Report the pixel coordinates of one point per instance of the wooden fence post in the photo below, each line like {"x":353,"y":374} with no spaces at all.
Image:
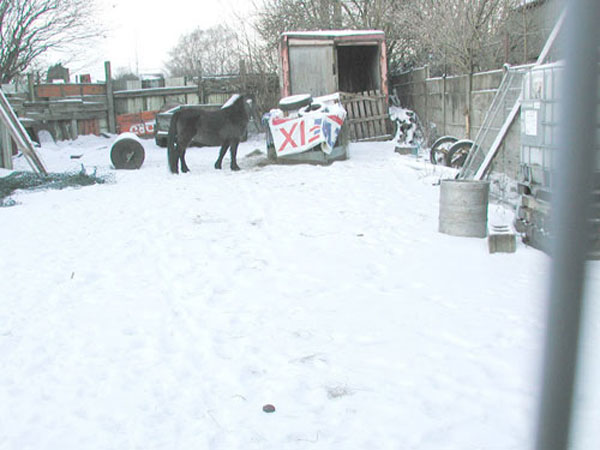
{"x":243,"y":77}
{"x":30,"y":87}
{"x":5,"y":148}
{"x":469,"y":101}
{"x":201,"y":90}
{"x":444,"y":131}
{"x":74,"y":129}
{"x":110,"y":100}
{"x":426,"y":76}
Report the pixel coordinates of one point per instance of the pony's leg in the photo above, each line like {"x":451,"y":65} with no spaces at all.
{"x":222,"y":152}
{"x":184,"y":166}
{"x":233,"y":152}
{"x":173,"y":156}
{"x":182,"y":145}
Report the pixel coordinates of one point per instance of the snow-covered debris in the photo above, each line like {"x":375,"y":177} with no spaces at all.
{"x":409,"y":134}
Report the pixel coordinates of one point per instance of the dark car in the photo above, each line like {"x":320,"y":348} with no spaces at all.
{"x":163,"y":121}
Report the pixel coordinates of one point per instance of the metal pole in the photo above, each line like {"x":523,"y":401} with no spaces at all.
{"x":571,"y":205}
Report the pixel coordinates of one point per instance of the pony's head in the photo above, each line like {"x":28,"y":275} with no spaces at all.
{"x":245,"y":102}
{"x":252,"y":111}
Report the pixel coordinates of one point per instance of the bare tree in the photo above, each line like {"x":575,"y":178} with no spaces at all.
{"x":277,"y":16}
{"x":205,"y":52}
{"x":30,"y":28}
{"x":222,"y":50}
{"x":390,"y":16}
{"x":125,"y":74}
{"x":528,"y":27}
{"x":461,"y":36}
{"x":260,"y":65}
{"x":256,"y":54}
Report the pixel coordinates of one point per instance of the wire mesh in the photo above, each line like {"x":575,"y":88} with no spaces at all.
{"x":27,"y":181}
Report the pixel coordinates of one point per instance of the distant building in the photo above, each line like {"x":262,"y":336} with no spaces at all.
{"x":152,"y":80}
{"x":58,"y":73}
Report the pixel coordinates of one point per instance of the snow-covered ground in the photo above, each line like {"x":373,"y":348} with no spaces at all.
{"x":163,"y":312}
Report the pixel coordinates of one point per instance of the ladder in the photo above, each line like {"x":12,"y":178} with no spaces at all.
{"x":502,"y":113}
{"x":19,"y":135}
{"x":498,"y":119}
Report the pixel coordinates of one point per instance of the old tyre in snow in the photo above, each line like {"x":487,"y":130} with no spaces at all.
{"x":127,"y":152}
{"x":313,"y":107}
{"x":294,"y":102}
{"x":439,"y":149}
{"x":458,"y":153}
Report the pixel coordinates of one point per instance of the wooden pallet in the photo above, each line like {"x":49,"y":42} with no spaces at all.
{"x":368,"y":115}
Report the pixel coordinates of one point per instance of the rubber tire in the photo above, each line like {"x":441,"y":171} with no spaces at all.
{"x":458,"y":153}
{"x":313,"y":107}
{"x":303,"y":100}
{"x":435,"y":148}
{"x":127,"y":155}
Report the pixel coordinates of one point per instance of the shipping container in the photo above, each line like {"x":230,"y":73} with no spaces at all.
{"x":351,"y":62}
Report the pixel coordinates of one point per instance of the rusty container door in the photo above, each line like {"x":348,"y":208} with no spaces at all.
{"x":312,"y":69}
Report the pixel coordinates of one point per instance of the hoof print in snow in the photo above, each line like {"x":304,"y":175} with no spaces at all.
{"x":269,"y":408}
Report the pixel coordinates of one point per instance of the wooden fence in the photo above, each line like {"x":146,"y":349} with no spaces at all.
{"x":368,"y":116}
{"x":68,"y":110}
{"x":456,"y":106}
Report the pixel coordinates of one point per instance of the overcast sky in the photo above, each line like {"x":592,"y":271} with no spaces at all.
{"x":140,"y":33}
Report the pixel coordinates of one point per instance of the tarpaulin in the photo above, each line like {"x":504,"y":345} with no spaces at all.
{"x":314,"y":128}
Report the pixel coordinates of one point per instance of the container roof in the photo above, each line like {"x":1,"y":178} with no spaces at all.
{"x":333,"y":33}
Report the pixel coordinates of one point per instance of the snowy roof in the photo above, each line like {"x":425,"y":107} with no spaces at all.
{"x":333,"y":33}
{"x":151,"y":76}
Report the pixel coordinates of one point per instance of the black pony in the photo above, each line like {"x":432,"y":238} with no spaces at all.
{"x":224,"y":127}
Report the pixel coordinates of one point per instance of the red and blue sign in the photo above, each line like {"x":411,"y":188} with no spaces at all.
{"x":296,"y":135}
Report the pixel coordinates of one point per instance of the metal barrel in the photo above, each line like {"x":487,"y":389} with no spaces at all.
{"x":127,"y":152}
{"x":463,"y":207}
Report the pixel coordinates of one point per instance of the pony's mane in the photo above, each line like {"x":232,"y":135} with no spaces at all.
{"x":234,"y":98}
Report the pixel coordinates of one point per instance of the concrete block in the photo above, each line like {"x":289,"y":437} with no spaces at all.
{"x":406,"y":149}
{"x":502,"y":240}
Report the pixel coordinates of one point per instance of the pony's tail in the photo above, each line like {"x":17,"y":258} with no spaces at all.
{"x":172,"y":151}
